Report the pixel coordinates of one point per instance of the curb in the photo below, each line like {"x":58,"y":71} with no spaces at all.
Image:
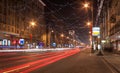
{"x":111,"y":65}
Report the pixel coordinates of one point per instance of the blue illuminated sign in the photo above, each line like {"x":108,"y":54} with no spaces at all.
{"x":21,"y":41}
{"x":54,"y":44}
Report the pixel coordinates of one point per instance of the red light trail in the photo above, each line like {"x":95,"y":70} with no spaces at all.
{"x":45,"y":59}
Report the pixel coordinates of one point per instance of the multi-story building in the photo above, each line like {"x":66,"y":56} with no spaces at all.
{"x":16,"y":19}
{"x":115,"y":24}
{"x":109,"y":20}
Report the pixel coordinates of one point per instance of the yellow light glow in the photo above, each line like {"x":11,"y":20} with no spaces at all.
{"x":67,"y":37}
{"x":62,"y":35}
{"x":32,"y":23}
{"x":52,"y":31}
{"x":88,"y":23}
{"x":86,"y":5}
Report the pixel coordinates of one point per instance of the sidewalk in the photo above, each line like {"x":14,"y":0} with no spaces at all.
{"x":113,"y":60}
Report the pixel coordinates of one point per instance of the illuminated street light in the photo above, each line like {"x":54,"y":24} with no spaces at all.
{"x":67,"y":37}
{"x":86,"y":5}
{"x":52,"y":31}
{"x":62,"y":35}
{"x":32,"y":23}
{"x":88,"y":23}
{"x":90,"y":5}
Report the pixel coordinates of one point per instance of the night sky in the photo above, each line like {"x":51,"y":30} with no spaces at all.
{"x":74,"y":16}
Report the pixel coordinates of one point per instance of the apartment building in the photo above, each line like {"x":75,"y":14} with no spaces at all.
{"x":16,"y":19}
{"x":109,"y":21}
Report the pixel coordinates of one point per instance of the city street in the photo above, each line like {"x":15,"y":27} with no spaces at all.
{"x":67,"y":61}
{"x":27,"y":62}
{"x":59,"y":36}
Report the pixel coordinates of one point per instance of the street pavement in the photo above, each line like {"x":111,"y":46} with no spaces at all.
{"x":25,"y":62}
{"x":65,"y":61}
{"x":113,"y":60}
{"x":83,"y":62}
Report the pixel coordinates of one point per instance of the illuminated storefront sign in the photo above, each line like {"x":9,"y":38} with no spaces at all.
{"x":54,"y":44}
{"x":4,"y":41}
{"x":9,"y":43}
{"x":103,"y":41}
{"x":96,"y":31}
{"x":1,"y":42}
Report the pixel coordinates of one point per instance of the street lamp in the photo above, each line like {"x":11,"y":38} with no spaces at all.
{"x":52,"y":31}
{"x":51,"y":38}
{"x":68,"y":42}
{"x":67,"y":37}
{"x":62,"y":35}
{"x":32,"y":23}
{"x":87,"y":5}
{"x":88,"y":23}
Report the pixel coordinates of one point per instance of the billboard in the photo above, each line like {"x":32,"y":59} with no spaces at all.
{"x":96,"y":31}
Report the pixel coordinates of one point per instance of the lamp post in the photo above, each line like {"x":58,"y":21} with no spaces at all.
{"x":68,"y":41}
{"x":51,"y":38}
{"x":86,"y":5}
{"x":32,"y":24}
{"x":62,"y":35}
{"x":89,"y":24}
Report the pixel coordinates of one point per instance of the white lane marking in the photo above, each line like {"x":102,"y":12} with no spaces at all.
{"x":111,"y":69}
{"x":16,"y":69}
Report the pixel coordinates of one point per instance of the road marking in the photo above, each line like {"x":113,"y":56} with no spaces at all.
{"x":16,"y":69}
{"x":50,"y":60}
{"x":111,"y":69}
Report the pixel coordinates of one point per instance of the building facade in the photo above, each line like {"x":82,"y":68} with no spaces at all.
{"x":109,"y":20}
{"x":114,"y":31}
{"x":16,"y":19}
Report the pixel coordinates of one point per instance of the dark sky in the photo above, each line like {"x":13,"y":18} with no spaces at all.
{"x":72,"y":13}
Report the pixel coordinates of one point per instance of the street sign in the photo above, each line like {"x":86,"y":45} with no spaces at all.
{"x":21,"y":41}
{"x":96,"y":31}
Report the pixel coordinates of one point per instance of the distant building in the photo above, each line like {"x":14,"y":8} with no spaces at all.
{"x":15,"y":21}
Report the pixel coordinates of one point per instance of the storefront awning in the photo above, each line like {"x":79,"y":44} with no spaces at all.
{"x":9,"y":33}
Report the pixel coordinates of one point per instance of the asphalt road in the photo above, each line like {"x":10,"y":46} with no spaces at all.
{"x":70,"y":61}
{"x":25,"y":62}
{"x":82,"y":62}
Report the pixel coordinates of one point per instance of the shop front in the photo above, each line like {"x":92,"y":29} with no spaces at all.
{"x":115,"y":40}
{"x":10,"y":41}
